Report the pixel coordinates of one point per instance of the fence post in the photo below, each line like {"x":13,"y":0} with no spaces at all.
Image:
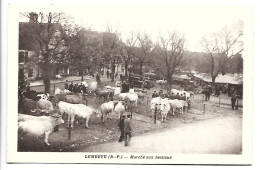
{"x":69,"y":129}
{"x":54,"y":89}
{"x":204,"y":109}
{"x":219,"y":102}
{"x":131,"y":112}
{"x":155,"y":112}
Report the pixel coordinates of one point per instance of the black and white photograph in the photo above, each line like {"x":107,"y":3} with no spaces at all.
{"x":130,"y":83}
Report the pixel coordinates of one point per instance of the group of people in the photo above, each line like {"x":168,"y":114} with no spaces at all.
{"x":125,"y":128}
{"x":169,"y":95}
{"x":109,"y":75}
{"x":207,"y":90}
{"x":76,"y":88}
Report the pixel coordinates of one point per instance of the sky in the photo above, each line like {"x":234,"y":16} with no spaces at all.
{"x":192,"y":21}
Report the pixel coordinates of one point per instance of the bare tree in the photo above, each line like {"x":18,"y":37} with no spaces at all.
{"x":111,"y":47}
{"x":223,"y":46}
{"x":128,"y":48}
{"x":146,"y":46}
{"x":169,"y":55}
{"x":46,"y":30}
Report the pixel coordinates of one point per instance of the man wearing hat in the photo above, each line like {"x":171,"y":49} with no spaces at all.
{"x":154,"y":95}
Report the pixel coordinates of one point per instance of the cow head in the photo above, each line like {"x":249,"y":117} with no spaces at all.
{"x":97,"y":112}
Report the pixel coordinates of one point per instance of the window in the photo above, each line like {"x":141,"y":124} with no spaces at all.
{"x":30,"y":72}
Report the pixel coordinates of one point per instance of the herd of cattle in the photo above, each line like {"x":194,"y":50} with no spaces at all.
{"x":42,"y":112}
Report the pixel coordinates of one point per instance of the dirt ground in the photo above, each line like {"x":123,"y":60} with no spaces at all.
{"x":142,"y":123}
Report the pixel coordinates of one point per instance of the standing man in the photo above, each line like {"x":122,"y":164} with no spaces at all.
{"x":98,"y":78}
{"x":66,"y":85}
{"x":127,"y":129}
{"x":71,"y":87}
{"x":124,"y":88}
{"x":107,"y":74}
{"x":161,"y":93}
{"x":233,"y":100}
{"x":121,"y":127}
{"x":154,"y":95}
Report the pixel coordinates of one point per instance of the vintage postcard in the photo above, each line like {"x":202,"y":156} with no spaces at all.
{"x":130,"y":83}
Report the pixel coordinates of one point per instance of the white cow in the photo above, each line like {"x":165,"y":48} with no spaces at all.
{"x":83,"y":112}
{"x":180,"y":104}
{"x":25,"y":117}
{"x":175,"y":92}
{"x":161,"y":82}
{"x":155,"y":103}
{"x":120,"y":109}
{"x":122,"y":96}
{"x":133,"y":98}
{"x":44,"y":96}
{"x":106,"y":109}
{"x":39,"y":127}
{"x":79,"y":110}
{"x":164,"y":108}
{"x":92,"y":86}
{"x":45,"y":105}
{"x":187,"y":94}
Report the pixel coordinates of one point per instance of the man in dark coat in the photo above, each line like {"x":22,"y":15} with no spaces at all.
{"x":107,"y":74}
{"x":124,"y":87}
{"x":127,"y":129}
{"x":75,"y":88}
{"x":66,"y":85}
{"x":154,"y":95}
{"x":71,"y":87}
{"x":98,"y":78}
{"x":121,"y":127}
{"x":127,"y":87}
{"x":161,"y":93}
{"x":233,"y":100}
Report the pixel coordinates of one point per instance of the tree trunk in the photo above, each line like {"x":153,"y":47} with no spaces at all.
{"x":113,"y":70}
{"x":126,"y":68}
{"x":213,"y":80}
{"x":141,"y":68}
{"x":46,"y":78}
{"x":81,"y":74}
{"x":169,"y":82}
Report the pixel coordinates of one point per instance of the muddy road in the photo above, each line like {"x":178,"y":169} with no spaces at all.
{"x":214,"y":136}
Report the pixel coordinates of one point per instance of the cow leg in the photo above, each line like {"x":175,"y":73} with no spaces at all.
{"x":102,"y":117}
{"x":87,"y":119}
{"x":46,"y":137}
{"x":72,"y":121}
